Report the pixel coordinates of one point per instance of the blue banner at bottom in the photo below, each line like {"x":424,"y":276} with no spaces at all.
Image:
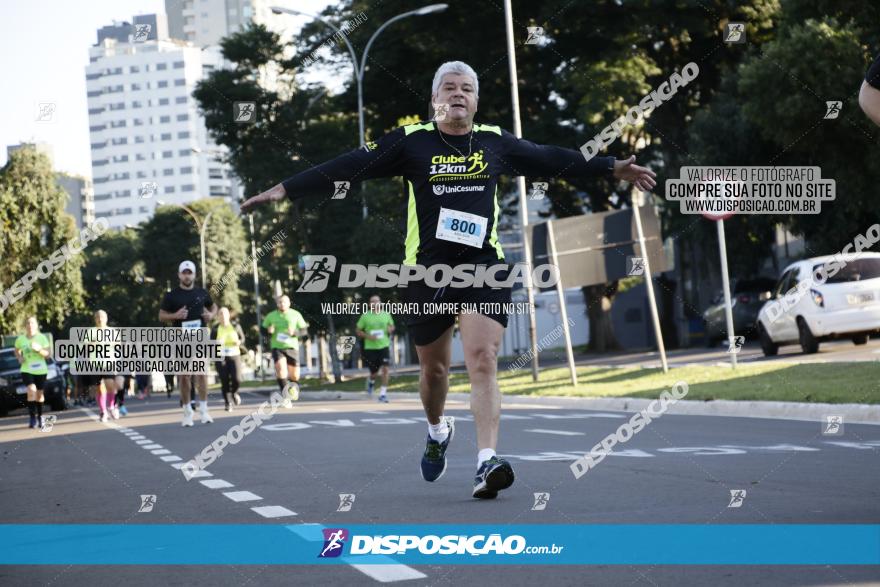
{"x":607,"y":544}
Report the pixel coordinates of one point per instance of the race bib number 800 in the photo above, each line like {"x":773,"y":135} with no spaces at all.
{"x":461,"y":227}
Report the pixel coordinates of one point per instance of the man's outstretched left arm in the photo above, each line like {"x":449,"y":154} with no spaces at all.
{"x":526,"y":158}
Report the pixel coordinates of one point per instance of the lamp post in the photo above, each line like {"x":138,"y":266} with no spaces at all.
{"x":359,"y":69}
{"x":201,"y":225}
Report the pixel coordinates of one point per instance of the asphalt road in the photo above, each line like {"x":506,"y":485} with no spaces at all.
{"x":680,"y":469}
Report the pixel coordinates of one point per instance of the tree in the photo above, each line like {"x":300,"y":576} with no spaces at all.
{"x":171,"y":236}
{"x":33,"y":225}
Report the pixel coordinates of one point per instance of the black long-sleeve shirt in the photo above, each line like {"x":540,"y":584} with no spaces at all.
{"x":451,"y":180}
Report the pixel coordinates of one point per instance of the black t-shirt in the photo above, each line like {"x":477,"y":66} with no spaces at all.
{"x":873,"y":75}
{"x":451,"y":184}
{"x":195,"y":300}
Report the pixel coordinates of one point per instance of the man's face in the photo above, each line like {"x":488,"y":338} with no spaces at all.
{"x":458,"y":91}
{"x":374,"y":303}
{"x":31,"y":326}
{"x":283,"y":303}
{"x":186,"y":277}
{"x":101,"y":319}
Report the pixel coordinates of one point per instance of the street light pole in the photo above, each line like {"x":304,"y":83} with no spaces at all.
{"x":200,"y":225}
{"x":359,"y":70}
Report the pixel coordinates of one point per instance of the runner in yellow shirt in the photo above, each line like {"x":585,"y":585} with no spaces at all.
{"x":31,"y":350}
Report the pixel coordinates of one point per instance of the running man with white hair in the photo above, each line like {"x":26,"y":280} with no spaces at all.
{"x":451,"y":166}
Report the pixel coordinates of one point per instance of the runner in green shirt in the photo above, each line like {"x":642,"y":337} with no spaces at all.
{"x":376,"y":328}
{"x":31,"y":350}
{"x":284,"y":325}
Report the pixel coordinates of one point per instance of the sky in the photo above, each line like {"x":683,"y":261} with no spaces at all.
{"x":45,"y":47}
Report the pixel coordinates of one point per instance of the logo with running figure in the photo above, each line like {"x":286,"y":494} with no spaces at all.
{"x":541,"y":501}
{"x":147,"y":503}
{"x":346,"y":500}
{"x":48,"y":423}
{"x":244,"y":112}
{"x":440,"y":111}
{"x":539,"y":190}
{"x":344,"y":345}
{"x":535,"y":34}
{"x":141,"y":32}
{"x":319,"y":268}
{"x":334,"y":542}
{"x":832,"y":109}
{"x":833,"y":425}
{"x":735,"y":33}
{"x":340,"y":190}
{"x":457,"y":166}
{"x":737,"y":496}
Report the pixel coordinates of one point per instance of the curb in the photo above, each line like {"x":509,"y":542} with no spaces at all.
{"x":851,"y":413}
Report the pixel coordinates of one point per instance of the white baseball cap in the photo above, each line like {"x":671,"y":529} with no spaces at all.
{"x":187,"y":265}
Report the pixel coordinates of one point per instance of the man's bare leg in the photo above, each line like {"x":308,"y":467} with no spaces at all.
{"x":433,"y":386}
{"x":481,"y":339}
{"x":434,"y":361}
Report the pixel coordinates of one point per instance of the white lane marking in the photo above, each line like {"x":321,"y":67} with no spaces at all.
{"x":138,"y":437}
{"x":390,"y":573}
{"x":559,"y":432}
{"x":197,"y":474}
{"x":171,"y":458}
{"x":216,"y":484}
{"x":242,"y":496}
{"x":144,"y":441}
{"x":151,"y":446}
{"x":178,"y":466}
{"x":161,"y":451}
{"x":380,"y":412}
{"x":273,"y":511}
{"x":382,"y":573}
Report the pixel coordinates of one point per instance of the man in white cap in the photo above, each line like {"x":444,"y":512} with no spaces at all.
{"x":189,"y":306}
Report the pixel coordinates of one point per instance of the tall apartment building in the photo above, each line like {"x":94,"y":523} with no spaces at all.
{"x":148,"y":142}
{"x":205,"y":22}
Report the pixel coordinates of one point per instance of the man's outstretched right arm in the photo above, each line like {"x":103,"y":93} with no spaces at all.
{"x":382,"y":158}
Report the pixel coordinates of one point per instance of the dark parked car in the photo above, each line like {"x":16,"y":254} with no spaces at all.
{"x":746,"y":304}
{"x":12,"y":393}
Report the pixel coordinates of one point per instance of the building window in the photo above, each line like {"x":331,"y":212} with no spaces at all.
{"x":137,"y":122}
{"x":169,"y":189}
{"x":119,"y":141}
{"x":167,"y":154}
{"x":97,"y":128}
{"x":188,"y":188}
{"x":163,"y":101}
{"x":179,"y":82}
{"x":165,"y":136}
{"x":136,"y":104}
{"x":134,"y":69}
{"x":182,"y":117}
{"x":135,"y":87}
{"x":103,"y":214}
{"x":100,"y":197}
{"x":94,"y":111}
{"x":167,"y":172}
{"x":94,"y":94}
{"x":140,"y":157}
{"x":185,"y":153}
{"x":141,"y":174}
{"x":184,"y":134}
{"x":186,"y":170}
{"x":164,"y":119}
{"x":180,"y":100}
{"x":178,"y":65}
{"x":162,"y":84}
{"x":161,"y":66}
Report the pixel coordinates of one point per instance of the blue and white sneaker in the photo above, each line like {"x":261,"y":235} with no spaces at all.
{"x":434,"y":459}
{"x":493,"y":475}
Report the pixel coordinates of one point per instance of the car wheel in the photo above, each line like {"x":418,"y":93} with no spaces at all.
{"x":769,"y":347}
{"x":860,"y":339}
{"x":809,"y":344}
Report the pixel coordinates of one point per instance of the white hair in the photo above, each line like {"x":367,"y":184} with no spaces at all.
{"x":455,"y":67}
